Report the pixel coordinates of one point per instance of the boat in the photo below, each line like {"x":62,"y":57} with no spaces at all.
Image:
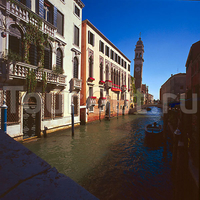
{"x":148,"y":108}
{"x":153,"y":130}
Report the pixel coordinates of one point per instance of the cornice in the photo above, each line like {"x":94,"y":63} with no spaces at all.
{"x":80,"y":3}
{"x":104,"y":37}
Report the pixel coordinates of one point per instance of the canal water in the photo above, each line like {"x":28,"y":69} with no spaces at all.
{"x":112,"y":159}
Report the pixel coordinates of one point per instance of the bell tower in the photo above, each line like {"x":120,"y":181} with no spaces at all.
{"x":138,"y":64}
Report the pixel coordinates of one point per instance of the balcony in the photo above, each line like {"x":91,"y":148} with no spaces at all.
{"x":108,"y":84}
{"x":102,"y":101}
{"x":24,"y":13}
{"x":92,"y":101}
{"x":75,"y":84}
{"x":124,"y":88}
{"x":20,"y":71}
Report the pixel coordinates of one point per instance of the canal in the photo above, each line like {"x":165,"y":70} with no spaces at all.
{"x":112,"y":159}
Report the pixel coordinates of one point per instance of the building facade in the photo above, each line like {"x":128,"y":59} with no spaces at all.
{"x":105,"y":76}
{"x":40,"y":49}
{"x":193,"y":88}
{"x":176,"y":85}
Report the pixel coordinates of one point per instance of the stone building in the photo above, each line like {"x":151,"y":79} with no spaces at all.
{"x":176,"y":85}
{"x":105,"y":74}
{"x":40,"y":54}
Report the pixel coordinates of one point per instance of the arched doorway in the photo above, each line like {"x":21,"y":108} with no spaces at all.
{"x":31,"y":116}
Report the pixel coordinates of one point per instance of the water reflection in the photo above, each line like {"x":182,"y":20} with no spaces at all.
{"x":111,"y":159}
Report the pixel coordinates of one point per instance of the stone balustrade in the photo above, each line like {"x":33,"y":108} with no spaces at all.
{"x":20,"y":70}
{"x":22,"y":12}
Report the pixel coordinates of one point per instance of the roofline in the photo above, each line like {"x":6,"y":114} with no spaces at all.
{"x":80,"y":3}
{"x":188,"y":58}
{"x":172,"y":77}
{"x":104,"y":37}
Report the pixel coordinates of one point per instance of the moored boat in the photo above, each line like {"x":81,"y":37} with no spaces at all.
{"x":153,"y":130}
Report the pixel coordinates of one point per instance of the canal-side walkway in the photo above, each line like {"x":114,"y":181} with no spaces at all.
{"x":25,"y":176}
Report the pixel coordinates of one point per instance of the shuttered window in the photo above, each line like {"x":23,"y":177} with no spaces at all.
{"x":75,"y":74}
{"x":101,"y":71}
{"x":15,"y":40}
{"x":33,"y":55}
{"x":76,"y":35}
{"x":48,"y":57}
{"x":59,"y":58}
{"x":90,"y":38}
{"x":60,"y":22}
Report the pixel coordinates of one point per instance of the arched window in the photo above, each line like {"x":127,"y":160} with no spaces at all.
{"x":107,"y":72}
{"x":91,"y":66}
{"x":112,"y":78}
{"x":48,"y":57}
{"x":59,"y":59}
{"x":75,"y":73}
{"x":33,"y":55}
{"x":101,"y":71}
{"x":15,"y":41}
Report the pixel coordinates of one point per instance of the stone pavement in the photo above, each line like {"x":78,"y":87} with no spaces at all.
{"x":23,"y":175}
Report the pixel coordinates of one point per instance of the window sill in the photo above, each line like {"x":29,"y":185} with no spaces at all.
{"x":77,"y":16}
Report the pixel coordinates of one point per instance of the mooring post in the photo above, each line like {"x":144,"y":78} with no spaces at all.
{"x":99,"y":113}
{"x":4,"y":117}
{"x":72,"y":119}
{"x":117,"y":109}
{"x":109,"y":110}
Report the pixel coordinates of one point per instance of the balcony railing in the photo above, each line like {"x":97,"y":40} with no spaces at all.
{"x":20,"y":70}
{"x":92,"y":101}
{"x":75,"y":84}
{"x":22,"y":12}
{"x":124,"y":88}
{"x":102,"y":101}
{"x":108,"y":84}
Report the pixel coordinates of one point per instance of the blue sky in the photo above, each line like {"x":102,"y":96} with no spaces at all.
{"x":168,"y":29}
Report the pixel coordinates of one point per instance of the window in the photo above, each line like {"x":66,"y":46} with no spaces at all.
{"x":112,"y":54}
{"x":77,"y":11}
{"x":76,"y":35}
{"x":140,"y":55}
{"x":75,"y":74}
{"x":59,"y":59}
{"x":47,"y":57}
{"x":60,"y":22}
{"x":119,"y":59}
{"x":33,"y":55}
{"x":90,"y":38}
{"x":129,"y":68}
{"x":48,"y":11}
{"x":47,"y":105}
{"x":58,"y":103}
{"x":125,"y":64}
{"x":107,"y":51}
{"x":122,"y":63}
{"x":26,"y":3}
{"x":107,"y":72}
{"x":101,"y":46}
{"x":15,"y":41}
{"x":101,"y":71}
{"x":91,"y":66}
{"x":101,"y":93}
{"x":136,"y":55}
{"x":116,"y":57}
{"x":13,"y":111}
{"x":112,"y":77}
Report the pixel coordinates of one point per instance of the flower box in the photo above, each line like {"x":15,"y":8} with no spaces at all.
{"x":90,"y":79}
{"x":92,"y":97}
{"x":115,"y":89}
{"x":101,"y":82}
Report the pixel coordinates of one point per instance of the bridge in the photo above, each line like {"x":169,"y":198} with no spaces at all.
{"x":133,"y":110}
